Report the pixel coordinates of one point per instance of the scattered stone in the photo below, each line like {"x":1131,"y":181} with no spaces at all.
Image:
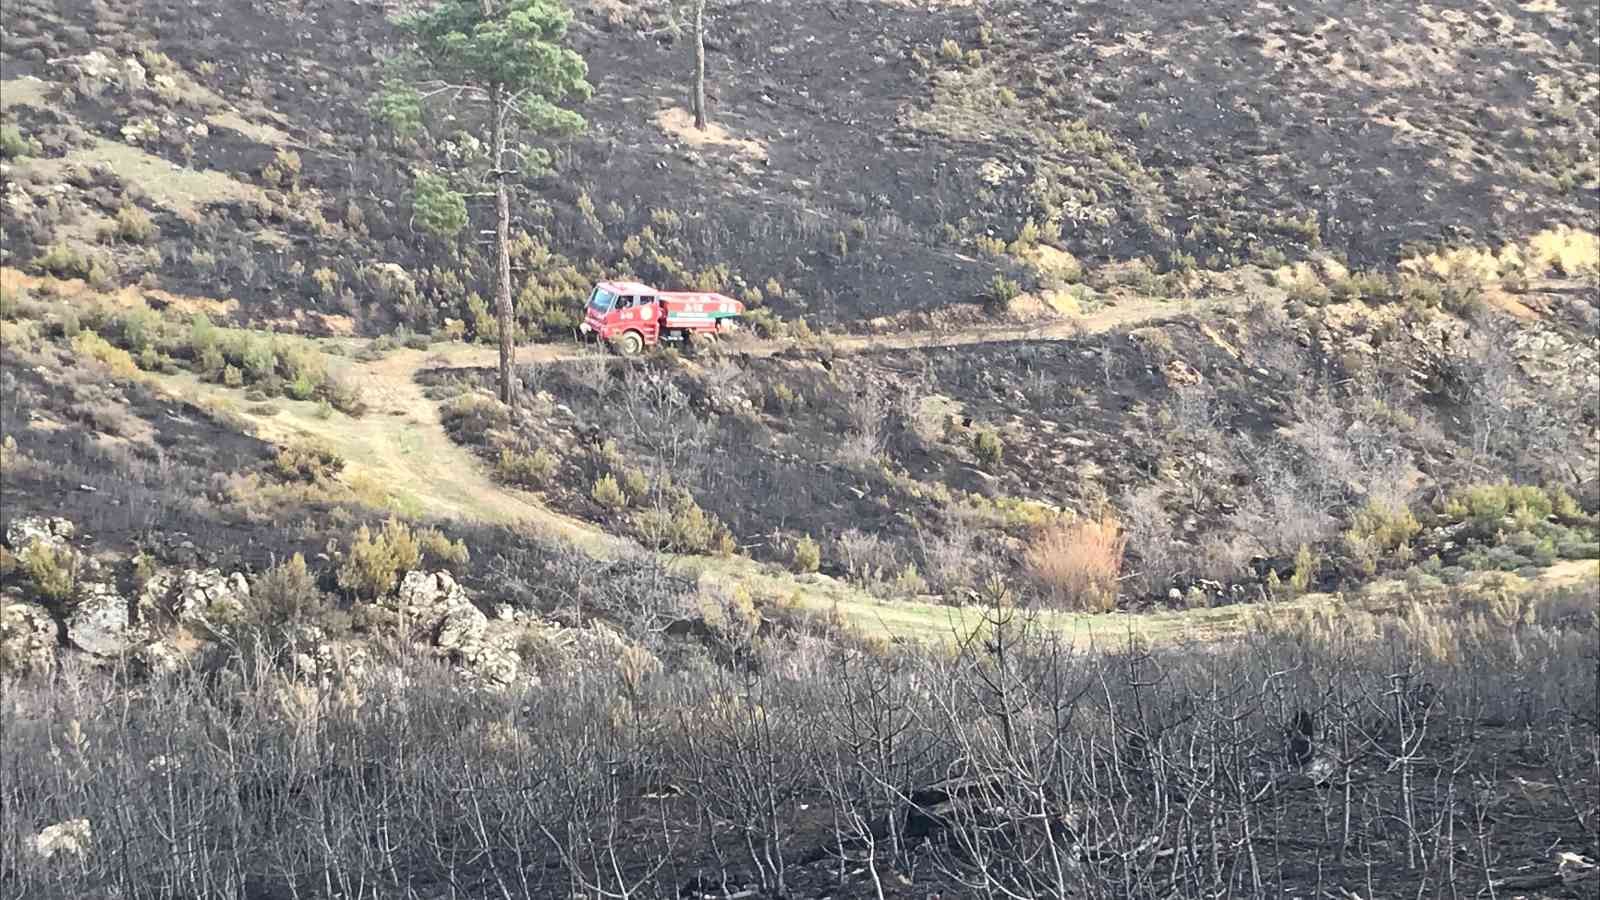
{"x":131,"y":75}
{"x":158,"y":657}
{"x":209,"y":597}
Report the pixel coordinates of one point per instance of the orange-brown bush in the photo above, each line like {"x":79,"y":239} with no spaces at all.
{"x":1075,"y":563}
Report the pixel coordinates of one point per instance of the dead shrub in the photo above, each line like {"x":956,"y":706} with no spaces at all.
{"x":1075,"y":564}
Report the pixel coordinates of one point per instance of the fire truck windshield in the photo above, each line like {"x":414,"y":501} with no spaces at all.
{"x":601,"y":300}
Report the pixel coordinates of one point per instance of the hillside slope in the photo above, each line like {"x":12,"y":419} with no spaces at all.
{"x":865,"y":160}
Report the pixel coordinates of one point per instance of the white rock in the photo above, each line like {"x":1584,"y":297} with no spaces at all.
{"x":69,"y":838}
{"x":131,"y":75}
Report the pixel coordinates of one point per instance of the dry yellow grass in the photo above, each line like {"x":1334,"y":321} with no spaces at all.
{"x":76,"y":290}
{"x":679,"y":122}
{"x":26,"y":91}
{"x":1562,"y":249}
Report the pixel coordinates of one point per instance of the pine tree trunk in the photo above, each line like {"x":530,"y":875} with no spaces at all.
{"x":502,"y":203}
{"x":700,"y":64}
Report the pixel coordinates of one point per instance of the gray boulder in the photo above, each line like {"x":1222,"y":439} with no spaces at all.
{"x":98,"y":622}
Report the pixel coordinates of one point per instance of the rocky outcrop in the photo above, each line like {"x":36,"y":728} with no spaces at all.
{"x":93,"y":72}
{"x":24,"y":533}
{"x":28,"y":638}
{"x":431,"y":608}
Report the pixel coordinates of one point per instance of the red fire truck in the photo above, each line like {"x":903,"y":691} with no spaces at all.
{"x":632,"y":316}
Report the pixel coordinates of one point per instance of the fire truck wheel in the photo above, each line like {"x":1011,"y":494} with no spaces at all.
{"x":631,"y":344}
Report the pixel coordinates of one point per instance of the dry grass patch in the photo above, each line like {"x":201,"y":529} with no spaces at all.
{"x":177,"y":188}
{"x":24,"y":91}
{"x":679,"y":123}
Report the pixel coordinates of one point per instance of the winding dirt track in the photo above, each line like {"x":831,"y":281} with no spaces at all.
{"x":1123,"y":314}
{"x":400,"y":447}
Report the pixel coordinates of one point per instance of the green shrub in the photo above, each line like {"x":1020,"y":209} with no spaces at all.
{"x":65,"y":262}
{"x":987,"y":446}
{"x":1309,"y":291}
{"x":211,"y":365}
{"x":686,"y":528}
{"x":232,"y":377}
{"x":608,"y":494}
{"x":762,"y":322}
{"x":439,"y":210}
{"x":374,"y":563}
{"x":1578,"y":549}
{"x":302,"y":388}
{"x":88,"y":345}
{"x":807,"y":555}
{"x":140,"y":327}
{"x":133,"y":225}
{"x":256,"y":358}
{"x":13,"y":144}
{"x":399,"y":106}
{"x":527,"y":469}
{"x":1000,"y":292}
{"x":298,"y":361}
{"x":1486,"y":507}
{"x":1305,"y":570}
{"x":53,"y":571}
{"x":635,"y":484}
{"x":283,"y":170}
{"x":1363,"y":286}
{"x":439,"y":548}
{"x":1387,"y":527}
{"x":307,"y":462}
{"x":472,"y":417}
{"x":286,"y":594}
{"x":344,"y":394}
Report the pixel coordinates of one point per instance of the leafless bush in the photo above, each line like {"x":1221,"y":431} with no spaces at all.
{"x":867,"y":558}
{"x":951,"y":559}
{"x":1152,"y":537}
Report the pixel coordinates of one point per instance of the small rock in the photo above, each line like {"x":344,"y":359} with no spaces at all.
{"x":69,"y":838}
